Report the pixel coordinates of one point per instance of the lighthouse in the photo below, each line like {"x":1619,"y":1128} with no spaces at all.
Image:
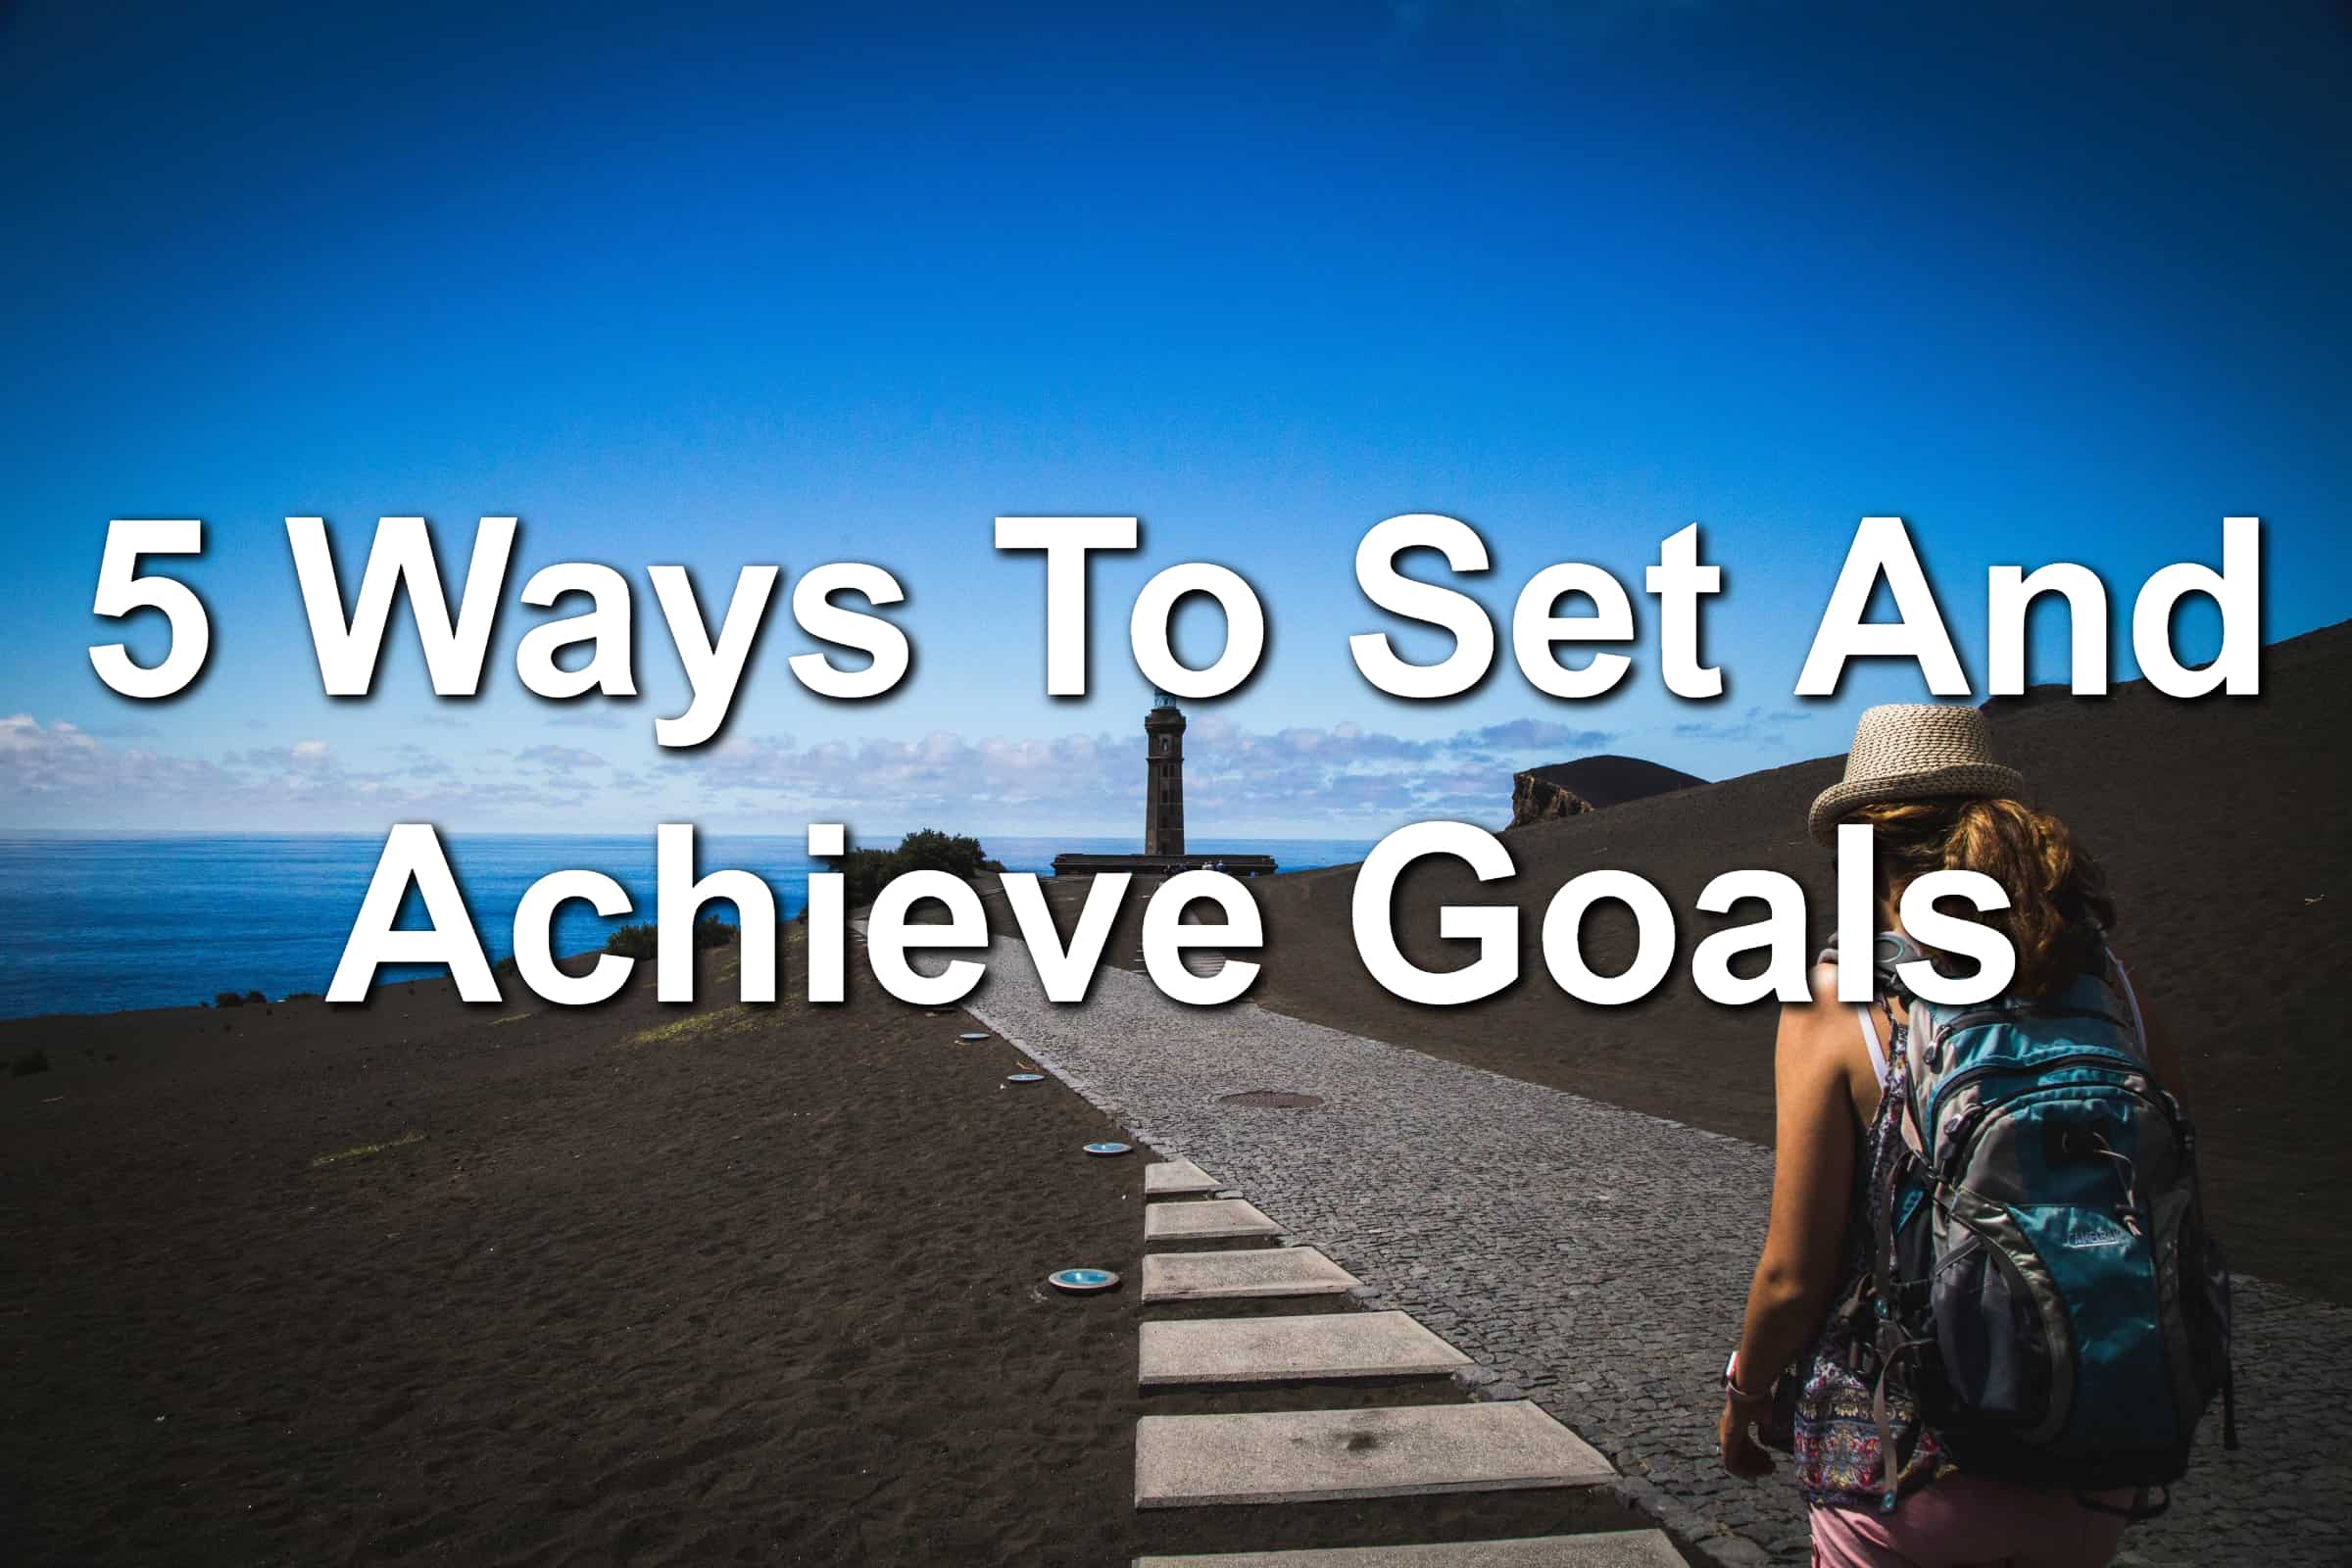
{"x":1163,"y":778}
{"x":1164,"y":854}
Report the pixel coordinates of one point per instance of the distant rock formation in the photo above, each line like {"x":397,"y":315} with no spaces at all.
{"x":1570,"y":788}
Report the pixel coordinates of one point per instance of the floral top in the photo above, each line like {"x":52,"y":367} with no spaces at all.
{"x":1836,"y":1439}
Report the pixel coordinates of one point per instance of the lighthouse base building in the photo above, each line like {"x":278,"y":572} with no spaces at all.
{"x":1163,"y":813}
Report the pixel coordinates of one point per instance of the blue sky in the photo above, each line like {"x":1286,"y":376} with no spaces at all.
{"x":722,"y":284}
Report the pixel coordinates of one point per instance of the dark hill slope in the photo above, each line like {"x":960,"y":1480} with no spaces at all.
{"x":2221,"y":823}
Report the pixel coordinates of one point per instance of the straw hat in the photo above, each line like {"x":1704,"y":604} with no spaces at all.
{"x":1914,"y":752}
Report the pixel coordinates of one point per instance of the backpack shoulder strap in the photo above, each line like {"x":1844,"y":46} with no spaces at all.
{"x":1919,"y":1027}
{"x":2140,"y":1024}
{"x":1889,"y":955}
{"x":1870,"y":1041}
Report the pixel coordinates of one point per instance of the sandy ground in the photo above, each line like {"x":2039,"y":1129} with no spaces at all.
{"x":424,"y":1282}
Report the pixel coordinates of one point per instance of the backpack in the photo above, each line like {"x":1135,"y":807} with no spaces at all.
{"x":2042,"y":1276}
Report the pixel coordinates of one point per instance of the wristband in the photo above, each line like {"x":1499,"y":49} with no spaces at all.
{"x":1733,"y":1391}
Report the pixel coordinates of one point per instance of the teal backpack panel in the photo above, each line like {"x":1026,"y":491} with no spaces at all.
{"x":2045,"y":1285}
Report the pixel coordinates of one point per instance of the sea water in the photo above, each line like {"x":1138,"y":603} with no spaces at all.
{"x":92,"y":924}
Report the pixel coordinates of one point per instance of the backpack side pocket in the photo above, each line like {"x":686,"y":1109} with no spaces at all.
{"x":2001,"y":1328}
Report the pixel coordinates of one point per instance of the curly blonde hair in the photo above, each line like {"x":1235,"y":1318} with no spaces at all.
{"x":2059,"y":907}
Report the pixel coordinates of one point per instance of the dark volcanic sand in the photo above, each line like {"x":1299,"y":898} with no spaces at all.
{"x":765,"y":1287}
{"x":2223,"y":828}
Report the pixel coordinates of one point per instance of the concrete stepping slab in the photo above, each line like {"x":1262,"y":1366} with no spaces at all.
{"x":1213,"y":1219}
{"x":1177,"y":1178}
{"x":1293,"y":1350}
{"x":1271,"y":1271}
{"x":1608,"y":1549}
{"x":1332,"y":1455}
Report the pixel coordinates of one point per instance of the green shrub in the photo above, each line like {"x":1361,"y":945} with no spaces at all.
{"x":227,"y":998}
{"x":930,"y":849}
{"x":643,"y":940}
{"x":865,"y":872}
{"x":30,"y":1062}
{"x":633,"y":941}
{"x":255,"y":999}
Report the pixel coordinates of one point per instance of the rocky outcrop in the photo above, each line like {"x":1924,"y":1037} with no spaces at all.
{"x":1588,"y":784}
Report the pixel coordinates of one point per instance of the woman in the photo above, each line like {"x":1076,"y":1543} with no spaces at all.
{"x":1923,"y":778}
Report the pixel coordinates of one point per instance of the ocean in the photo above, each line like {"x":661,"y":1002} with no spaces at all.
{"x":95,"y":925}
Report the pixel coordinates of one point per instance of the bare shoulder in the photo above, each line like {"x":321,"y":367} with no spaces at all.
{"x":1812,"y":1028}
{"x":1820,"y":1039}
{"x":1824,"y":1013}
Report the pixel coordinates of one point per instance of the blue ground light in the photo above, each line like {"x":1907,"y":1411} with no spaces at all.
{"x":1082,"y":1279}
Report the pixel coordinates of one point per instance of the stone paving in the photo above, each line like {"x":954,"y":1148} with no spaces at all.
{"x":1595,"y":1259}
{"x":1332,"y":1455}
{"x":1272,"y":1271}
{"x":1321,"y":1346}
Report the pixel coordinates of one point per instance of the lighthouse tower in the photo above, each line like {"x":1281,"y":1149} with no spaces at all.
{"x":1163,"y":789}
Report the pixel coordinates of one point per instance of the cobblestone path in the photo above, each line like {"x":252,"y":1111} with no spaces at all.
{"x":1596,"y":1259}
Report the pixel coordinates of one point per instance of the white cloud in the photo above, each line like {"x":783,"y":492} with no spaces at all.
{"x":59,"y":775}
{"x":1352,"y":780}
{"x":1754,"y":726}
{"x":558,"y":758}
{"x":1342,"y":774}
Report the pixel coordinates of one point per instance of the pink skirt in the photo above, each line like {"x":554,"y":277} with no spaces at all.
{"x":1968,"y":1522}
